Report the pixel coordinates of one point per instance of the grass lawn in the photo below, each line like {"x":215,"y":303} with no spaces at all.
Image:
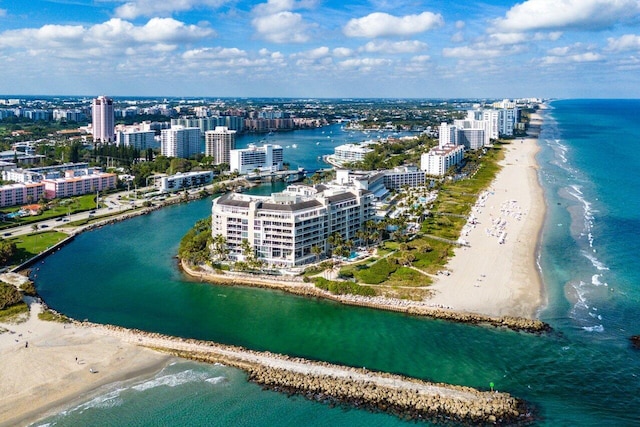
{"x":65,"y":206}
{"x":32,"y":244}
{"x":405,"y":276}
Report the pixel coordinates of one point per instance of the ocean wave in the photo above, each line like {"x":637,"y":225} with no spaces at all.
{"x":216,"y":380}
{"x":599,"y":265}
{"x":596,"y":328}
{"x":176,"y":379}
{"x":595,"y":280}
{"x":104,"y":401}
{"x":581,"y":296}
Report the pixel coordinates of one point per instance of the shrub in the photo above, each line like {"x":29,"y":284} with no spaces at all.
{"x":28,"y":288}
{"x":343,"y":288}
{"x":377,"y":273}
{"x":9,"y":296}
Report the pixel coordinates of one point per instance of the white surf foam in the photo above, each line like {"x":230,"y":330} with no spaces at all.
{"x":173,"y":380}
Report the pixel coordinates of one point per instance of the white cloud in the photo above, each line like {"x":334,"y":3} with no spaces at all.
{"x":578,"y":57}
{"x":275,"y":6}
{"x":317,"y":53}
{"x":533,"y":15}
{"x":364,"y":64}
{"x":407,"y":46}
{"x":421,"y":58}
{"x":382,"y":24}
{"x":578,"y":52}
{"x":282,"y":27}
{"x":480,"y":51}
{"x":459,"y":25}
{"x":136,"y":8}
{"x":624,"y":43}
{"x":457,"y":37}
{"x":342,"y":52}
{"x":115,"y":34}
{"x":214,"y":53}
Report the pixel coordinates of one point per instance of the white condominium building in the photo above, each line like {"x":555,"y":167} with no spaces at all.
{"x":402,"y":176}
{"x":283,"y":228}
{"x":218,"y":143}
{"x":439,"y":159}
{"x":140,"y":140}
{"x":507,"y":119}
{"x":351,"y":152}
{"x":181,"y":181}
{"x":265,"y":158}
{"x":180,"y":142}
{"x":103,"y":119}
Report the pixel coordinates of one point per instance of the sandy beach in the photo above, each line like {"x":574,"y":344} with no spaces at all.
{"x":494,"y":278}
{"x":40,"y":375}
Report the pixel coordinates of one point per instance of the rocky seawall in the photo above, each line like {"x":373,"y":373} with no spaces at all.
{"x":405,"y":397}
{"x":301,"y":288}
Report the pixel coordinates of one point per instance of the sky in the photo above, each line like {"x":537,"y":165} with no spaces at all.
{"x":321,"y":48}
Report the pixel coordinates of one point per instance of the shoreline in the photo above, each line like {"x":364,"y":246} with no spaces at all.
{"x":412,"y":308}
{"x":45,"y":378}
{"x":493,"y":283}
{"x":502,"y":278}
{"x":46,"y":366}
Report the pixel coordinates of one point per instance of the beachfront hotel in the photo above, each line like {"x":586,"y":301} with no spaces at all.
{"x":102,"y":117}
{"x":268,"y":157}
{"x":218,"y":143}
{"x":283,"y":228}
{"x":439,"y":159}
{"x":180,"y":142}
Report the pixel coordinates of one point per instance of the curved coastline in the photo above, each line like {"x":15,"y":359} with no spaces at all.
{"x":298,"y":287}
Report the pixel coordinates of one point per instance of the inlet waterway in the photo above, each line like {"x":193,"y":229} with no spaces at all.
{"x":584,"y":373}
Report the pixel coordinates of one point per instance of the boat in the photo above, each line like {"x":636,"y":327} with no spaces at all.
{"x":294,"y":145}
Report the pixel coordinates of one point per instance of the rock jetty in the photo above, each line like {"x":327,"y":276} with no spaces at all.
{"x":413,"y":308}
{"x":405,"y":397}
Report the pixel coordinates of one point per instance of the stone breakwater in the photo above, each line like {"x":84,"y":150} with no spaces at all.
{"x":381,"y":303}
{"x":405,"y":397}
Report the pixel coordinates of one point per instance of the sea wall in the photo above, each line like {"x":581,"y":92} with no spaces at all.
{"x":401,"y":306}
{"x":405,"y":397}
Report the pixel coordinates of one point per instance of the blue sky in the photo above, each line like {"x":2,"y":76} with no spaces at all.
{"x":319,"y":48}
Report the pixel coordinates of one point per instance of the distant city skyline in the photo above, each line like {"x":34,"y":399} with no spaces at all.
{"x":330,"y":49}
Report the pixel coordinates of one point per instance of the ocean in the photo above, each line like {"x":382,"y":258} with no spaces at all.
{"x":583,"y":373}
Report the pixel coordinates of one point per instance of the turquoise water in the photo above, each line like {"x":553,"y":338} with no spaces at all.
{"x":312,"y":144}
{"x":584,"y":373}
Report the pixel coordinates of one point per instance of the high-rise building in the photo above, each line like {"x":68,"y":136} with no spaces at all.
{"x":180,"y":141}
{"x":219,"y":143}
{"x":267,"y":157}
{"x":103,"y":120}
{"x":283,"y":228}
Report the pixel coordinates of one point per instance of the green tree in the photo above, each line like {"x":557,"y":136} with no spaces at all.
{"x":7,"y":250}
{"x":317,"y":251}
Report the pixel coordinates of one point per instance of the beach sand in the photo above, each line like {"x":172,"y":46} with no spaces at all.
{"x":42,"y":378}
{"x":501,"y":279}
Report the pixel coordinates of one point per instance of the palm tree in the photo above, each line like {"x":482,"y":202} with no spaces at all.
{"x":220,"y":249}
{"x":317,"y":251}
{"x":247,"y":250}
